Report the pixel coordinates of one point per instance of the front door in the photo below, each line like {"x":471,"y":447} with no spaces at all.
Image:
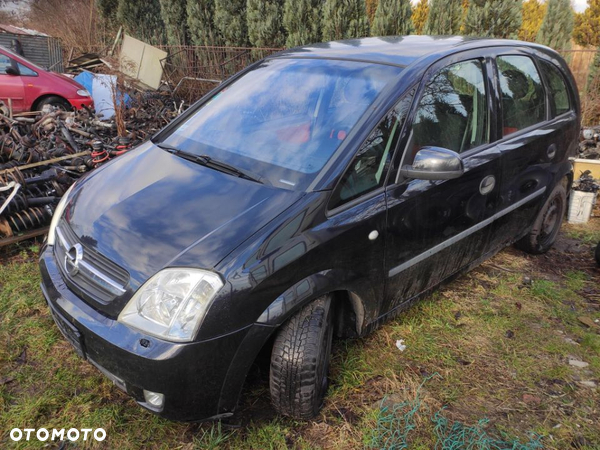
{"x":12,"y":91}
{"x":435,"y":228}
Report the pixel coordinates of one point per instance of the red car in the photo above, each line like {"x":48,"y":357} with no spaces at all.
{"x":27,"y":87}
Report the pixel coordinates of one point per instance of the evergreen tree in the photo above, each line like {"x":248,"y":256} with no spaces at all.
{"x":493,"y":18}
{"x":108,"y":9}
{"x":142,"y":20}
{"x":301,"y":20}
{"x":393,"y":18}
{"x":230,"y":20}
{"x":533,"y":14}
{"x":174,"y":16}
{"x":371,"y":6}
{"x":419,"y":15}
{"x":587,"y":25}
{"x":557,"y":25}
{"x":463,"y":15}
{"x":201,"y":22}
{"x":264,"y":19}
{"x":344,"y":19}
{"x":445,"y":17}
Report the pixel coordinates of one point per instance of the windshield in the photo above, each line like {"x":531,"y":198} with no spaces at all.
{"x":284,"y":119}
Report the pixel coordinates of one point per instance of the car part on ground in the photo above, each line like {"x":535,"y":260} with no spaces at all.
{"x":589,"y":145}
{"x":41,"y":155}
{"x":586,"y":183}
{"x":597,"y":254}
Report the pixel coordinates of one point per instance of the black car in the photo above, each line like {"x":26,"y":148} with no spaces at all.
{"x":316,"y":193}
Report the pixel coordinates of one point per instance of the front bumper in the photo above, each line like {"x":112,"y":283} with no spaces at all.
{"x":80,"y":102}
{"x":195,"y":378}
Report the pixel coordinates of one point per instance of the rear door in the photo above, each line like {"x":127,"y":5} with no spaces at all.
{"x":12,"y":91}
{"x":435,"y":228}
{"x":536,"y":129}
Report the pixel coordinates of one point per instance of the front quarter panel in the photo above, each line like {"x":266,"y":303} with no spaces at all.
{"x":298,"y":257}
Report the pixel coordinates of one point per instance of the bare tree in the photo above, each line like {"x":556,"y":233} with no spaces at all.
{"x":75,"y":22}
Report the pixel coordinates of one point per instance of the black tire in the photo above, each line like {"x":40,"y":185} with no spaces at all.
{"x":55,"y":101}
{"x":300,"y":361}
{"x":597,"y":254}
{"x":547,"y":224}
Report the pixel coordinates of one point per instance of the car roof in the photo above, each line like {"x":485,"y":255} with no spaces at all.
{"x":396,"y":50}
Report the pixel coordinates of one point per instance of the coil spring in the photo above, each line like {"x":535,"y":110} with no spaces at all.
{"x":15,"y":175}
{"x":9,"y":165}
{"x":28,"y":219}
{"x":18,"y":203}
{"x":40,"y":190}
{"x":21,"y":155}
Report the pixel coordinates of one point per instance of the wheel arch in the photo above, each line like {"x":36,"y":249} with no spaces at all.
{"x":349,"y":321}
{"x":45,"y":96}
{"x":350,"y":300}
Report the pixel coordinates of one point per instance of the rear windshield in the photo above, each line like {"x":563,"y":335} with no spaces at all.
{"x":284,"y":119}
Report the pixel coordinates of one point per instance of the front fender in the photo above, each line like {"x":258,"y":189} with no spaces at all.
{"x":316,"y":285}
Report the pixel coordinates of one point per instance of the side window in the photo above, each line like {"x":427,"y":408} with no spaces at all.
{"x":523,"y":100}
{"x":559,"y":96}
{"x":5,"y":62}
{"x":372,"y":161}
{"x":453,"y":112}
{"x":26,"y":71}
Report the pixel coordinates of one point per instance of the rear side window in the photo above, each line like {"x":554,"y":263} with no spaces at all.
{"x":368,"y":170}
{"x":453,"y":111}
{"x":523,"y":100}
{"x":559,"y":97}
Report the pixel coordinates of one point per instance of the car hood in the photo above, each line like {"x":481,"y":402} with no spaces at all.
{"x":65,"y":80}
{"x":149,"y":209}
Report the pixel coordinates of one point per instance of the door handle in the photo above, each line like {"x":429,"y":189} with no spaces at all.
{"x":551,"y":152}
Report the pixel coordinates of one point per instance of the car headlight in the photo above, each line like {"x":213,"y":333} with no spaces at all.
{"x":172,"y":304}
{"x":83,"y":93}
{"x":58,"y":212}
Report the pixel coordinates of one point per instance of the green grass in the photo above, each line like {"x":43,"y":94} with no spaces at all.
{"x":494,"y":346}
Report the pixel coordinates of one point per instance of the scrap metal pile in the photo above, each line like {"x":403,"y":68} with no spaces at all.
{"x":586,"y":183}
{"x":589,"y":145}
{"x":43,"y":154}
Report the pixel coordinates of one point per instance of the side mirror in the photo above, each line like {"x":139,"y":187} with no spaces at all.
{"x":10,"y":70}
{"x":434,"y":163}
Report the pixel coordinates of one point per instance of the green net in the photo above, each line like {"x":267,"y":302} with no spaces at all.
{"x":394,"y":424}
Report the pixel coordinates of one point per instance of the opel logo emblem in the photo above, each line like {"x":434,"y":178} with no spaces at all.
{"x":72,"y":259}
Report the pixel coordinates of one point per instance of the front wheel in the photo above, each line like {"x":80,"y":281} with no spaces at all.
{"x":55,"y":101}
{"x":300,"y":361}
{"x":547,"y":224}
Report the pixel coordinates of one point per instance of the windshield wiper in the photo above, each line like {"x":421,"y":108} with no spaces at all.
{"x":178,"y":152}
{"x":208,"y":161}
{"x":228,"y":168}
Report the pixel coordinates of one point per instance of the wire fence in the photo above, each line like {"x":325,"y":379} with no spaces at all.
{"x":580,"y":62}
{"x":194,"y":70}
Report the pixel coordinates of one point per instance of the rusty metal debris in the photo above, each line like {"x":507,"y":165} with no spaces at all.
{"x":589,"y":144}
{"x":586,"y":183}
{"x":42,"y":154}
